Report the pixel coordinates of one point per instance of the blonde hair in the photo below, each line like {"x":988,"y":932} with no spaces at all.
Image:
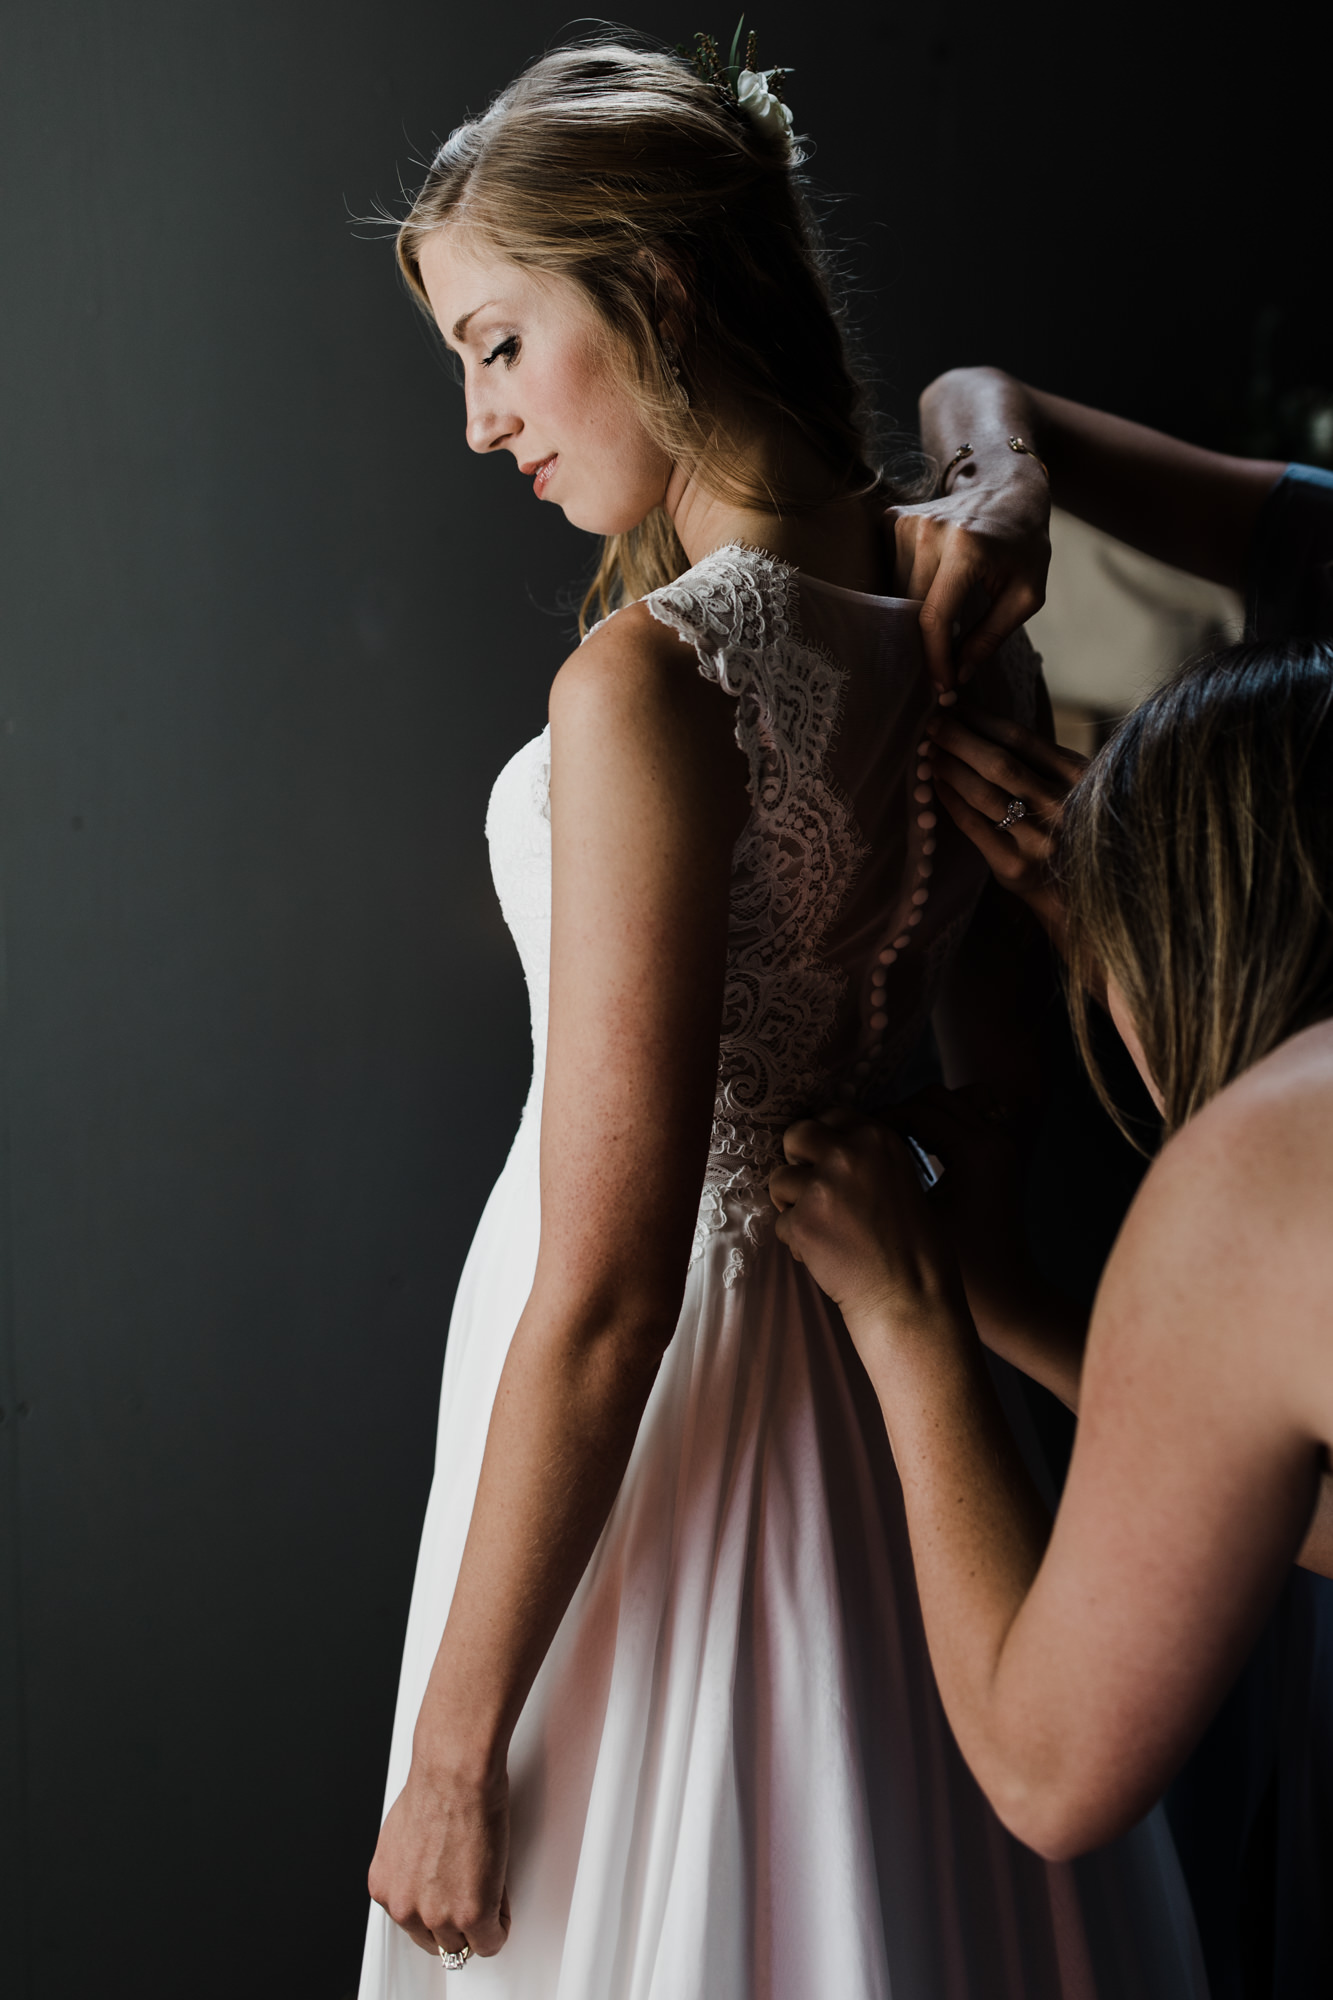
{"x":1197,"y":859}
{"x":617,"y":167}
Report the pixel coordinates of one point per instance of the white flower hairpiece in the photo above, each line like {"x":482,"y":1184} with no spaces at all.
{"x":762,"y":106}
{"x":755,"y":93}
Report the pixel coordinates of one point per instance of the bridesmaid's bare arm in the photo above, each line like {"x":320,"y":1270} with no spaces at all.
{"x":1016,"y":1316}
{"x":1078,"y":1663}
{"x":648,"y":794}
{"x":1193,"y":508}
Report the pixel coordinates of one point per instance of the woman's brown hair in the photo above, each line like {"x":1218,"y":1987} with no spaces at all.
{"x":1197,"y":858}
{"x":619,"y":168}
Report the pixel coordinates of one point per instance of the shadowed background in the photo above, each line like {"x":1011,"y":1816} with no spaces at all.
{"x":269,"y":632}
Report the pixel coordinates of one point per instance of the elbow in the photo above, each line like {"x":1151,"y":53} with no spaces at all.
{"x":1056,"y":1830}
{"x":1063,"y":1817}
{"x":624,"y":1317}
{"x":640,"y":1308}
{"x":649,"y":1328}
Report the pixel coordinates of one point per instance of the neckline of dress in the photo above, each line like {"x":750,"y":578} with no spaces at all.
{"x":792,"y":574}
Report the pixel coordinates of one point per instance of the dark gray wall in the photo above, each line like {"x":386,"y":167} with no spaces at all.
{"x":269,"y":633}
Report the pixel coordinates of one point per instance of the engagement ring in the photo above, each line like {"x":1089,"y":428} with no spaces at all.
{"x":454,"y":1961}
{"x":1013,"y":812}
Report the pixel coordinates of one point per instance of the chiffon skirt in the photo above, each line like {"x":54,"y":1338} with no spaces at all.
{"x":733,"y":1779}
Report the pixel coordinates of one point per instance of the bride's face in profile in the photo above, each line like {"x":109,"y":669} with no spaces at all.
{"x":540,"y":384}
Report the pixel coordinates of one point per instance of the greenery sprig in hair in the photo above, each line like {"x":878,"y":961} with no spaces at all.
{"x":757,"y":94}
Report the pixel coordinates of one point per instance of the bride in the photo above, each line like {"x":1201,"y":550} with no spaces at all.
{"x":666,"y":1727}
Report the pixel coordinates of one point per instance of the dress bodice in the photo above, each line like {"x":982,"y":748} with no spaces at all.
{"x":518,"y":833}
{"x":849,"y":891}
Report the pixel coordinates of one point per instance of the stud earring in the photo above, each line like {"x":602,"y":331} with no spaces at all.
{"x":671,"y":355}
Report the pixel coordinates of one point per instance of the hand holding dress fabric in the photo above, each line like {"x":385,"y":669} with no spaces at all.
{"x":852,"y":1209}
{"x":1019,"y":1315}
{"x":880,"y":1248}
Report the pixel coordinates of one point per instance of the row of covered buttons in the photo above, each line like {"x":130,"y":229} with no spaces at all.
{"x":924,"y":797}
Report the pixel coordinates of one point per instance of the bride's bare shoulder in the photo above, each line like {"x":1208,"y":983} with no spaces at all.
{"x":630,"y":656}
{"x":635,"y":673}
{"x":632,"y":696}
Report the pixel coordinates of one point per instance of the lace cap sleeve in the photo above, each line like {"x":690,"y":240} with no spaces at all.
{"x":791,"y":869}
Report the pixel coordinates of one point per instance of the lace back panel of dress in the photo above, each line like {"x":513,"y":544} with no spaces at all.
{"x":790,"y":870}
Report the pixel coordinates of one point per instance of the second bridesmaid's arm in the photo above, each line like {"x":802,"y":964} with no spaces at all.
{"x":1192,"y":508}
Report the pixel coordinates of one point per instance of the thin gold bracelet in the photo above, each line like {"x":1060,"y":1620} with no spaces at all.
{"x":963,"y":451}
{"x":1017,"y":444}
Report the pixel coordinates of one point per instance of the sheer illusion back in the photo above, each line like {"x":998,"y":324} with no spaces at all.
{"x":849,"y":888}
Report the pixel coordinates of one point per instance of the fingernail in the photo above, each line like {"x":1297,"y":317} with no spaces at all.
{"x":948,"y":698}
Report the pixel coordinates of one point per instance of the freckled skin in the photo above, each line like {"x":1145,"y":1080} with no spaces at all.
{"x":554,"y":392}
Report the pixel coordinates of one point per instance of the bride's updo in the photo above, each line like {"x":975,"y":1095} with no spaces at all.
{"x":620,"y":169}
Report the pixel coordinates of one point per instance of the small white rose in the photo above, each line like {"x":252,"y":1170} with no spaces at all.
{"x":759,"y":104}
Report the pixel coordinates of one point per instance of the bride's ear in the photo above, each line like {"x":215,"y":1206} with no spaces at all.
{"x":671,"y":303}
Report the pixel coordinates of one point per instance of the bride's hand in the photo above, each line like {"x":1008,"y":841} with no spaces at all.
{"x":852,"y":1211}
{"x":439,"y":1867}
{"x":976,"y":553}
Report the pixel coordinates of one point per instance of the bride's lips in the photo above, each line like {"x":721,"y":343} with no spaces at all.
{"x":543,"y":468}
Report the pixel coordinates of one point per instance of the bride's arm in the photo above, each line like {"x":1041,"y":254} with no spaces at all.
{"x":648,"y":794}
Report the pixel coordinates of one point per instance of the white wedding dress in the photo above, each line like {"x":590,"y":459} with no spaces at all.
{"x":733,"y":1779}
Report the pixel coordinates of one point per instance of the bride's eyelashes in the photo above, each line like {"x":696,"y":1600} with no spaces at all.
{"x":507,"y":349}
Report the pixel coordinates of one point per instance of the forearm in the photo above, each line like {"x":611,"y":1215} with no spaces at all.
{"x":1192,"y":508}
{"x":978,"y":1532}
{"x":1036,"y":1330}
{"x":983,"y":408}
{"x":564,"y":1422}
